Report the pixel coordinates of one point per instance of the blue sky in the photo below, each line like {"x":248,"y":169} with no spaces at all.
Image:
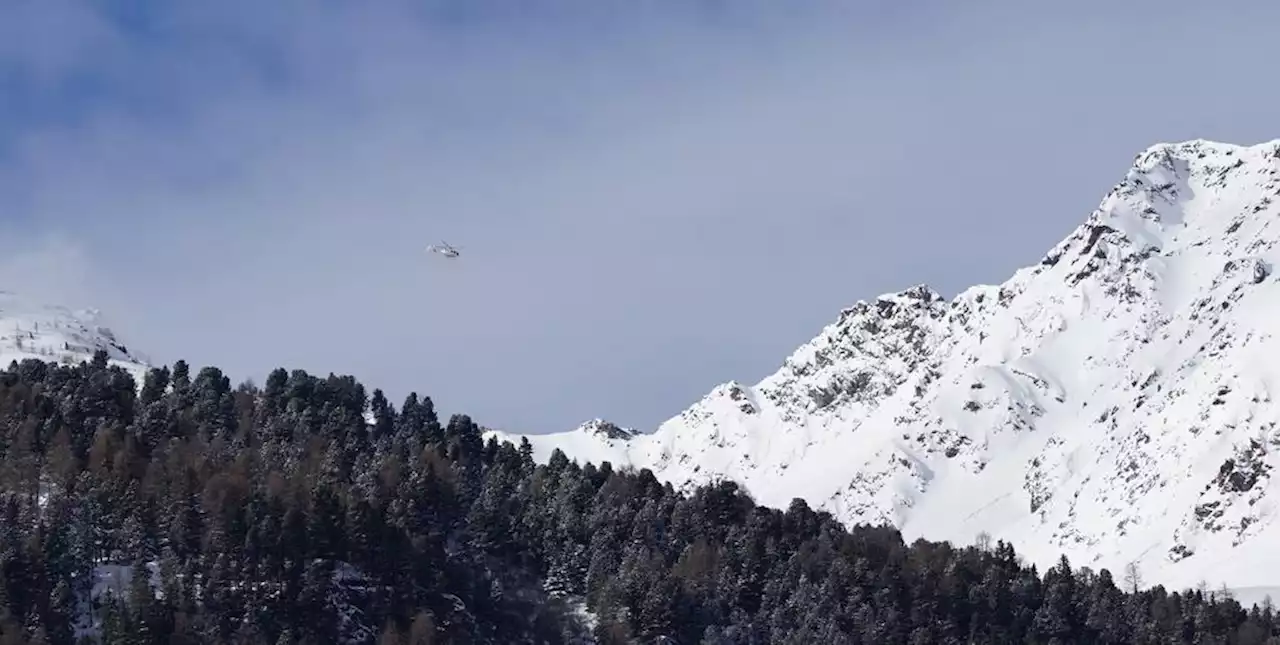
{"x":653,"y":197}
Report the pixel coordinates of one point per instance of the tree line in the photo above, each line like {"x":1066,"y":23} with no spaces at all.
{"x":309,"y":510}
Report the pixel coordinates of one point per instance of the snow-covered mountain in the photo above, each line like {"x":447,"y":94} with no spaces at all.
{"x":31,"y":329}
{"x":1113,"y":402}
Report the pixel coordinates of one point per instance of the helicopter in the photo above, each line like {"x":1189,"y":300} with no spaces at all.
{"x":445,"y":249}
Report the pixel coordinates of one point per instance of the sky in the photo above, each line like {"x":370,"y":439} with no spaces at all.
{"x":651,"y":198}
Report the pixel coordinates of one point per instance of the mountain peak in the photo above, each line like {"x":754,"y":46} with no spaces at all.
{"x":606,"y":430}
{"x":56,"y":333}
{"x":1113,"y":403}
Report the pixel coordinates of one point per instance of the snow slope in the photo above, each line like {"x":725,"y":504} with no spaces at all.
{"x":1113,"y":402}
{"x":30,"y":329}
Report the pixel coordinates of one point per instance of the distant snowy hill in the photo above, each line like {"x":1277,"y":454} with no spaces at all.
{"x":1113,"y":402}
{"x":31,"y":329}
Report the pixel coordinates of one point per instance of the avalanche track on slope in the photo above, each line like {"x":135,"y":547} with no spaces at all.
{"x":1113,"y":402}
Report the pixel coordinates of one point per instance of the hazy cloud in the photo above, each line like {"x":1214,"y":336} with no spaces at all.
{"x":653,"y":198}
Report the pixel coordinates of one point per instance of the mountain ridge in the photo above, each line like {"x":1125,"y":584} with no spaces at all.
{"x":1115,"y":395}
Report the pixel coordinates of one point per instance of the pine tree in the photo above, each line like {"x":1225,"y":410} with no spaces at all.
{"x":143,"y":608}
{"x":154,"y":384}
{"x":314,"y":601}
{"x":384,"y":419}
{"x":180,"y":377}
{"x":325,"y":527}
{"x":61,"y":613}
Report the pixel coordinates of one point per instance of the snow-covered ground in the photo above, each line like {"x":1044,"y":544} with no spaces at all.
{"x":59,"y":334}
{"x":1113,"y":402}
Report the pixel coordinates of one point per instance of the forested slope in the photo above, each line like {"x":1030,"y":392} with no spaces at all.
{"x":280,"y":515}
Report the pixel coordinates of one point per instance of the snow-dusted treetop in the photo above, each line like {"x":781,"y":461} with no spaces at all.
{"x":1113,"y":402}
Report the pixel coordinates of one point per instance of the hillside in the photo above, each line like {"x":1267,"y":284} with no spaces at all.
{"x":190,"y":512}
{"x":1114,"y":402}
{"x":55,"y":333}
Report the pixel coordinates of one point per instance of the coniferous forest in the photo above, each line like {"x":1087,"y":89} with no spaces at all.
{"x":189,"y":511}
